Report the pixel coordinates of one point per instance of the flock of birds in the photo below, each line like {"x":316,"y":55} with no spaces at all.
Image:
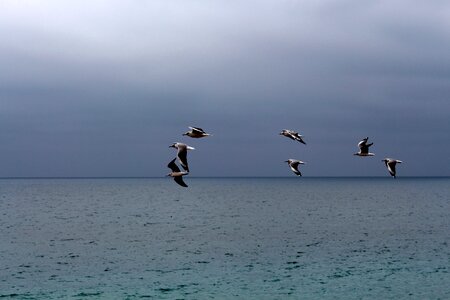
{"x":196,"y":132}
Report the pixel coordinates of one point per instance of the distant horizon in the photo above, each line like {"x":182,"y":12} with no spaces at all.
{"x":219,"y":177}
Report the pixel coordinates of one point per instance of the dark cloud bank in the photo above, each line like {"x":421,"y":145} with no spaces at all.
{"x":103,"y":90}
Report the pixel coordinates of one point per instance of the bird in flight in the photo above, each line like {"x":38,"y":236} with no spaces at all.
{"x":196,"y":132}
{"x":364,"y":148}
{"x":182,"y":154}
{"x":293,"y":164}
{"x":176,"y":174}
{"x":292,"y":135}
{"x":390,"y":164}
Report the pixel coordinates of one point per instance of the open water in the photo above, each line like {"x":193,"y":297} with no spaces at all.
{"x":235,"y":238}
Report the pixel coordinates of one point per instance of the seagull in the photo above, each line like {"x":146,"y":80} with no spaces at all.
{"x":182,"y":154}
{"x":364,"y":148}
{"x":292,"y":135}
{"x":390,"y":164}
{"x":293,"y":164}
{"x":176,"y":174}
{"x":196,"y":132}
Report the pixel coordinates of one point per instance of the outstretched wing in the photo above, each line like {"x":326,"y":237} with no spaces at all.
{"x":173,"y":166}
{"x":197,"y":129}
{"x":299,"y":138}
{"x":391,"y":167}
{"x":364,"y":147}
{"x":288,"y":134}
{"x":294,"y":168}
{"x":179,"y":180}
{"x":362,"y":144}
{"x":182,"y":156}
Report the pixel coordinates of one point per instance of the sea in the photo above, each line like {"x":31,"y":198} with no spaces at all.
{"x":225,"y":238}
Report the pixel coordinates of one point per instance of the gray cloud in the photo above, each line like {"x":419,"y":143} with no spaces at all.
{"x":103,"y":89}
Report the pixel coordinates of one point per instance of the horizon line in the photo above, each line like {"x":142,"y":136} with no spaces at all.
{"x":203,"y":177}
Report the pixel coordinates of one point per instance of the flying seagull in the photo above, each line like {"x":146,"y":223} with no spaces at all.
{"x":182,"y":154}
{"x":390,"y":164}
{"x":364,"y":148}
{"x":292,"y":135}
{"x":293,"y":164}
{"x":196,"y":132}
{"x":176,"y":174}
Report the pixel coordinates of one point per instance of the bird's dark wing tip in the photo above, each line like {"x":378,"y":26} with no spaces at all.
{"x":198,"y":129}
{"x":180,"y":181}
{"x":173,"y":166}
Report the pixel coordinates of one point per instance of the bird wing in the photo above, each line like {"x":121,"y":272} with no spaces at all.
{"x":391,"y":167}
{"x":364,"y":149}
{"x":294,"y":167}
{"x":182,"y":157}
{"x":362,"y":144}
{"x":286,"y":133}
{"x":299,"y":138}
{"x":289,"y":135}
{"x":173,"y":166}
{"x":197,"y":129}
{"x":179,"y":180}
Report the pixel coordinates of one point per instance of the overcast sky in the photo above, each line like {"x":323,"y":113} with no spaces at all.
{"x":102,"y":88}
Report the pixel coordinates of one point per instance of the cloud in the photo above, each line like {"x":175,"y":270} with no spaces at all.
{"x":92,"y":81}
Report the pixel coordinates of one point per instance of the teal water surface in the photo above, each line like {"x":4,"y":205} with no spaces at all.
{"x":235,"y":238}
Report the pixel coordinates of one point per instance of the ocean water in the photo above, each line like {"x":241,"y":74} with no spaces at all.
{"x":225,"y":238}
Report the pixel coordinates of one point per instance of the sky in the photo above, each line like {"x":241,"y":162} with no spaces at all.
{"x":102,"y":88}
